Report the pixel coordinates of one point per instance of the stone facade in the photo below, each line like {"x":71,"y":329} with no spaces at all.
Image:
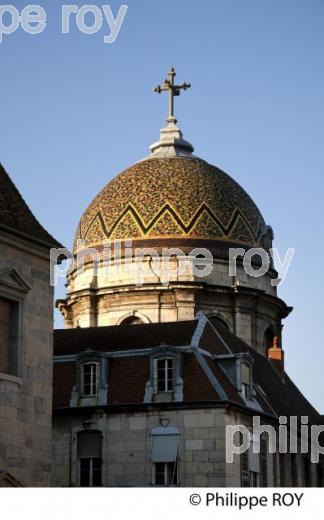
{"x":26,"y":395}
{"x":127,"y":449}
{"x":127,"y":446}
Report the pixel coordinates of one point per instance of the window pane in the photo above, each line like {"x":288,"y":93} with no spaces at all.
{"x":245,"y":374}
{"x":85,"y":472}
{"x":159,"y":474}
{"x":172,"y":474}
{"x":166,"y":474}
{"x":160,"y":364}
{"x":90,"y":472}
{"x":161,"y":385}
{"x":94,"y":379}
{"x":165,"y":375}
{"x":6,"y":317}
{"x":90,"y":379}
{"x":170,"y":385}
{"x":96,"y":476}
{"x":245,"y":391}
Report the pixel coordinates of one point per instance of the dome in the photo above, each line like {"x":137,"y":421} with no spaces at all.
{"x":175,"y":205}
{"x":176,"y":196}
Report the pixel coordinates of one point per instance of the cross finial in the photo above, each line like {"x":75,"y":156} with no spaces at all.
{"x":174,"y":90}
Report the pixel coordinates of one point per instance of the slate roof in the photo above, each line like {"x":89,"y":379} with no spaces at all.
{"x":281,"y":392}
{"x":123,"y":337}
{"x":127,"y":375}
{"x":16,"y":216}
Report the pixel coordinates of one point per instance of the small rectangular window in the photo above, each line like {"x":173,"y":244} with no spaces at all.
{"x":165,"y":375}
{"x":90,"y":376}
{"x":166,"y":474}
{"x":90,"y":458}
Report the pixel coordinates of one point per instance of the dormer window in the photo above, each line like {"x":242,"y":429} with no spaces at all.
{"x":91,"y":382}
{"x":90,"y":379}
{"x":246,"y":381}
{"x":164,"y":375}
{"x":165,"y":383}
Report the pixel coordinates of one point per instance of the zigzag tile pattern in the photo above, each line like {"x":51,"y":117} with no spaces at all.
{"x":173,"y":197}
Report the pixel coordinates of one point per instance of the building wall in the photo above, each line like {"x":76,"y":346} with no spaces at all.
{"x":281,"y":471}
{"x":26,"y":398}
{"x":127,"y":448}
{"x":127,"y":444}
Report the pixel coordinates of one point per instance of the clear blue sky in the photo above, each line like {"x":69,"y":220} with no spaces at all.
{"x":76,"y":111}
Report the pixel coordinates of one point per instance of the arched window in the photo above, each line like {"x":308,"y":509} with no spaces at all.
{"x":218,"y":322}
{"x":268,"y":339}
{"x":132,"y":320}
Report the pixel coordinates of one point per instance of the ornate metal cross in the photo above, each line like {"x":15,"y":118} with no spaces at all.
{"x":174,"y":90}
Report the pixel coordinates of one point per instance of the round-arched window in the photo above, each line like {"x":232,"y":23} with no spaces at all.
{"x":132,"y":320}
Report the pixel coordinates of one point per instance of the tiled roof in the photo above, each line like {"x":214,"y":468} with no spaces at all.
{"x":16,"y":215}
{"x":171,"y":198}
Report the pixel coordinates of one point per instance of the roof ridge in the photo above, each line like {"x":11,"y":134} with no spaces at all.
{"x":16,"y":216}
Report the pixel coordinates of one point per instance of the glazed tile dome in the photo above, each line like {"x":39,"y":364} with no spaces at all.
{"x":172,"y":195}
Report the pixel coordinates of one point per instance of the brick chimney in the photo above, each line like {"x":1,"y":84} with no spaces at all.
{"x":277,"y":356}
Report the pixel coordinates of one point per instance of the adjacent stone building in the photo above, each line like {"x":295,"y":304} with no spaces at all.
{"x":26,"y":342}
